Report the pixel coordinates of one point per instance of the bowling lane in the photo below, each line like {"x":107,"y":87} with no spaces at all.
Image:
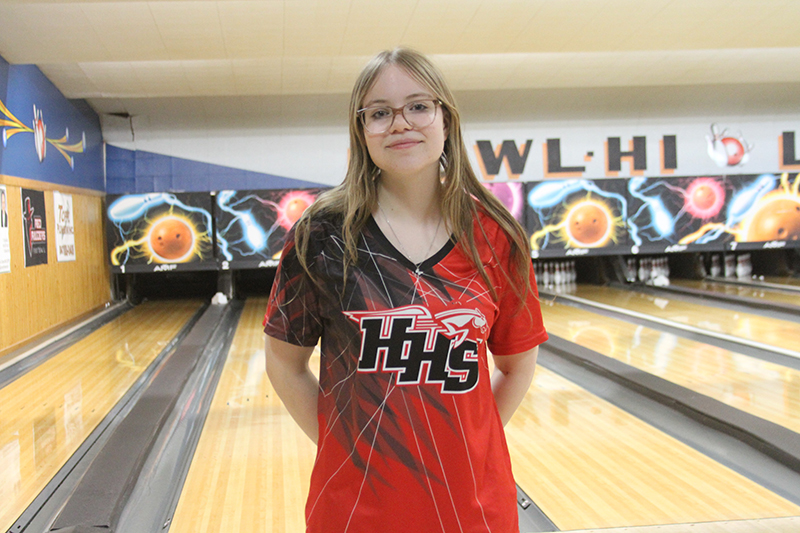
{"x":588,"y":464}
{"x":48,"y":412}
{"x":753,"y":292}
{"x":584,"y":461}
{"x":769,"y":331}
{"x":792,"y":281}
{"x":252,"y":466}
{"x":761,"y":388}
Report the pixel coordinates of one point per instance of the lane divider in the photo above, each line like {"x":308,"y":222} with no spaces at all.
{"x":678,"y":325}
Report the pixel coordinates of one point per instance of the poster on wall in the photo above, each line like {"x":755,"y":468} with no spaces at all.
{"x":252,"y":224}
{"x":5,"y":248}
{"x":576,"y":217}
{"x":34,"y":227}
{"x":159,"y":232}
{"x":65,"y":227}
{"x":679,"y":214}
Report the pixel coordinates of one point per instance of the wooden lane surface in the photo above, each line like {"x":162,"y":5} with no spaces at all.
{"x":764,"y":525}
{"x":793,"y":281}
{"x":769,"y":331}
{"x":47,"y":413}
{"x":761,"y":388}
{"x":764,"y":294}
{"x":585,"y":462}
{"x":252,"y":466}
{"x":588,"y":464}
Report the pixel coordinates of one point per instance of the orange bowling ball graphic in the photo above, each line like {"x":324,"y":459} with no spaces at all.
{"x":171,"y":240}
{"x":292,"y":206}
{"x":588,"y":224}
{"x":295,"y":208}
{"x":704,"y":197}
{"x":778,"y":220}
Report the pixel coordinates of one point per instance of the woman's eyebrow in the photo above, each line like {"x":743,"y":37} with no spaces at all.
{"x":409,"y":98}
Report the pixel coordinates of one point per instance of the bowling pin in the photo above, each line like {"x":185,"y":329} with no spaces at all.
{"x":716,"y":268}
{"x":740,"y":268}
{"x":630,"y":271}
{"x":730,"y":266}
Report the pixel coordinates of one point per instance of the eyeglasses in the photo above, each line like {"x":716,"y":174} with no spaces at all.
{"x":418,"y":114}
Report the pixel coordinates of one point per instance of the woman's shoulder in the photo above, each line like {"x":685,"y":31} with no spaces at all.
{"x":321,"y":235}
{"x":486,"y":223}
{"x":491,"y":239}
{"x":318,"y":225}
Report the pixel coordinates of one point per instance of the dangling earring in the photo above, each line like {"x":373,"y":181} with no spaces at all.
{"x":376,"y":174}
{"x":442,"y":168}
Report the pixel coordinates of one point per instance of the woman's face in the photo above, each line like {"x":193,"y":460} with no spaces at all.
{"x":404,"y":150}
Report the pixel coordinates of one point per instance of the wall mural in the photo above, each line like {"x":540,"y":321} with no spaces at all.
{"x":159,"y":232}
{"x":12,"y":126}
{"x":762,"y":209}
{"x":577,"y":216}
{"x":563,"y":218}
{"x":251,"y":225}
{"x":665,"y":212}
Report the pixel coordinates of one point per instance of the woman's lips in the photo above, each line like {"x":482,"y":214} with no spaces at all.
{"x":405,"y":143}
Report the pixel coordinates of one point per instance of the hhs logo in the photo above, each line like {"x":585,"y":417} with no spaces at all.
{"x":421,"y":348}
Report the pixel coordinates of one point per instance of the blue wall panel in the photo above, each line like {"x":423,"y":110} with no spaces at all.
{"x":137,"y":171}
{"x":27,"y":88}
{"x":3,"y":96}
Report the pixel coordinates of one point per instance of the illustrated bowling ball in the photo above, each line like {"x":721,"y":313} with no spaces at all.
{"x":778,"y":220}
{"x":295,"y":208}
{"x":171,"y":239}
{"x":587,"y":224}
{"x":734,"y":149}
{"x":704,"y":197}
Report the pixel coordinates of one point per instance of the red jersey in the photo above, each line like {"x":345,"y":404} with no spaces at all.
{"x":410,"y":439}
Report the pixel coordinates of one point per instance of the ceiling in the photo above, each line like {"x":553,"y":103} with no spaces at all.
{"x":291,"y":61}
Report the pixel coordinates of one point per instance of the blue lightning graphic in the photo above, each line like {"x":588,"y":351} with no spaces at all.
{"x":748,"y":197}
{"x":253,"y":235}
{"x":661,"y":220}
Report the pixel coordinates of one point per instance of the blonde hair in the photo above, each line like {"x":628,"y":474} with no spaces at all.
{"x":357,"y":196}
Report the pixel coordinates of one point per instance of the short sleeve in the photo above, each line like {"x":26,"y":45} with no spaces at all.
{"x":293,"y":309}
{"x":517,"y":328}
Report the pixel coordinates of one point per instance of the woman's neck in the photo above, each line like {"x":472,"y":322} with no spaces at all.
{"x":409,"y":214}
{"x":419,"y":198}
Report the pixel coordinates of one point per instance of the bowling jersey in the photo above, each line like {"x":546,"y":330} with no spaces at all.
{"x":410,"y":438}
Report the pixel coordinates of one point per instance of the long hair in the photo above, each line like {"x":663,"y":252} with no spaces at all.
{"x":357,"y":196}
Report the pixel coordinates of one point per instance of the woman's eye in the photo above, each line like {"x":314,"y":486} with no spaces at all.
{"x":380,"y":113}
{"x":417,"y":107}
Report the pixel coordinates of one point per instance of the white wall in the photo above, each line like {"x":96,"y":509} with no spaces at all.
{"x":310,"y":141}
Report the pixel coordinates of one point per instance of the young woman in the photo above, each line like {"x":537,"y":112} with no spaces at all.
{"x":408,"y":272}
